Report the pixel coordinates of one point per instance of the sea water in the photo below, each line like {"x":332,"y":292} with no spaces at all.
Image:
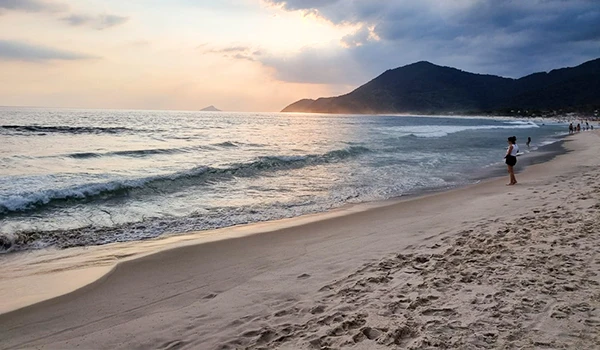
{"x":88,"y":177}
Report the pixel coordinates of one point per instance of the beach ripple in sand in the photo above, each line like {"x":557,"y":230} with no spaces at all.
{"x":528,"y":282}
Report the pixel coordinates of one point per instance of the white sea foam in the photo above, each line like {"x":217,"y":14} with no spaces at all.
{"x":434,"y":131}
{"x":522,"y":122}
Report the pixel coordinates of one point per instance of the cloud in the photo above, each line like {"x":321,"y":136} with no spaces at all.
{"x":233,"y":49}
{"x":301,"y":4}
{"x":316,"y":66}
{"x":234,"y":52}
{"x":504,"y":37}
{"x":77,"y":20}
{"x":32,"y":6}
{"x":97,"y":22}
{"x":19,"y":51}
{"x":359,"y":37}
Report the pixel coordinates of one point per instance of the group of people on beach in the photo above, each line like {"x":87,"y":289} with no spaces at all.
{"x":576,"y":129}
{"x":513,"y":149}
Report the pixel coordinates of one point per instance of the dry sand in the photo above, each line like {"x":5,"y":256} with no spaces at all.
{"x":484,"y":267}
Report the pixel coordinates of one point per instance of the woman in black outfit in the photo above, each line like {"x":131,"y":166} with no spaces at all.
{"x":511,"y":159}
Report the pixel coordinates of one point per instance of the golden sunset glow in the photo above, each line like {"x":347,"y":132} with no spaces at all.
{"x":166,"y":55}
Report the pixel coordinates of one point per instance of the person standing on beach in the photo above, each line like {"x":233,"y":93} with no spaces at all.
{"x":528,"y":141}
{"x":571,"y":128}
{"x":511,"y":159}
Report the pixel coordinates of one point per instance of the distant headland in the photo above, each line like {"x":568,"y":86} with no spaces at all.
{"x":426,"y":88}
{"x":210,"y":108}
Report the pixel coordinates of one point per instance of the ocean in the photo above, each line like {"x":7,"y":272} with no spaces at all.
{"x":88,"y":177}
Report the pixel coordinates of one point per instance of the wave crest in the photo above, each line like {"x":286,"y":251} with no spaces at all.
{"x":23,"y":202}
{"x":130,"y":153}
{"x":63,"y":129}
{"x":436,"y":131}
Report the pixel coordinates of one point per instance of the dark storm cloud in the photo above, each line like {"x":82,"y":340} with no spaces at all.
{"x":31,"y":6}
{"x":97,"y":22}
{"x":504,"y":37}
{"x":20,"y":51}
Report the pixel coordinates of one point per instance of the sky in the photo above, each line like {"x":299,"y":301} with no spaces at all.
{"x":261,"y":55}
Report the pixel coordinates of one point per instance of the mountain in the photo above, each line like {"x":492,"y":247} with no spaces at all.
{"x":210,"y":109}
{"x":426,"y":88}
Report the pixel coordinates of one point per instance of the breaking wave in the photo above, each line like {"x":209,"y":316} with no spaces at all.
{"x":34,"y":200}
{"x":435,"y":131}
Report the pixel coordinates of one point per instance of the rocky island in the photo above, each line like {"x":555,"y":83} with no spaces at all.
{"x":210,"y":108}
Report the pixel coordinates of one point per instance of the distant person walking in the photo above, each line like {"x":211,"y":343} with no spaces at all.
{"x":528,"y":142}
{"x":578,"y":127}
{"x":571,"y":129}
{"x":511,"y":159}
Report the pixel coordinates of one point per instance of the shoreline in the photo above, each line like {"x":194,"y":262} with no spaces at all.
{"x":83,"y":267}
{"x":372,"y":280}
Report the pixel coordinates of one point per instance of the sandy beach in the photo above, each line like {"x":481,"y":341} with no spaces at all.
{"x":484,"y":267}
